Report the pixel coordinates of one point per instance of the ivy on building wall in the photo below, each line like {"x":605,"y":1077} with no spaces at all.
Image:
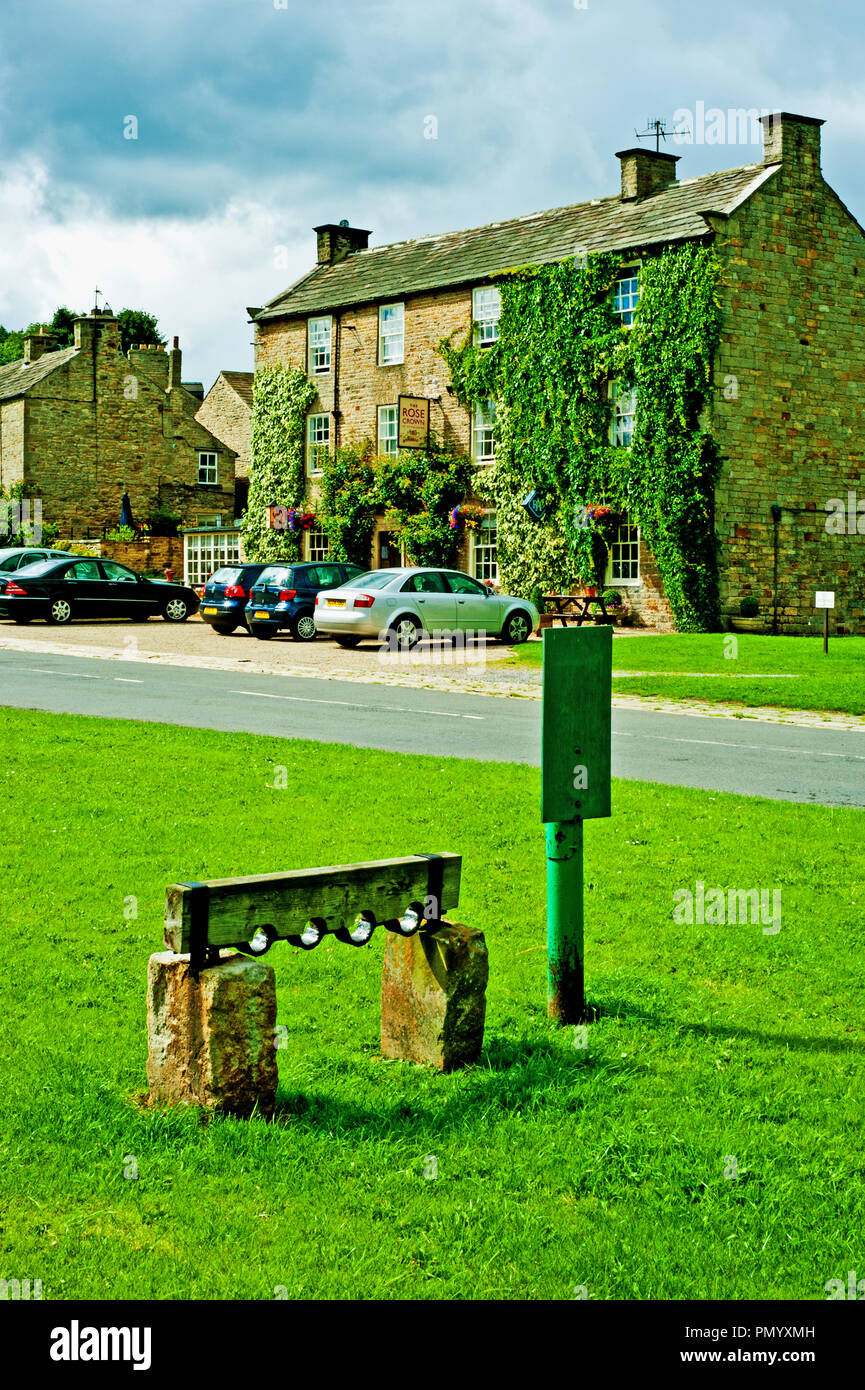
{"x":561,"y":352}
{"x":416,"y":490}
{"x":282,"y":396}
{"x":349,"y":502}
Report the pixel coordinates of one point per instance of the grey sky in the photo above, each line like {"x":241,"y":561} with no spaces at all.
{"x":256,"y":122}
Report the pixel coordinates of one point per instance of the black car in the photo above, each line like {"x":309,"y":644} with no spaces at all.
{"x":60,"y":590}
{"x":13,"y":558}
{"x":283,"y":596}
{"x":225,"y":595}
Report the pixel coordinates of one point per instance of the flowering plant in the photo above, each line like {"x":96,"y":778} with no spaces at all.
{"x":299,"y":520}
{"x":467,"y":514}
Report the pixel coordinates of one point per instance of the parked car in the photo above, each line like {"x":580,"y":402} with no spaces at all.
{"x":403,"y":604}
{"x":225,"y":596}
{"x":60,"y":590}
{"x":13,"y":558}
{"x":284,"y":596}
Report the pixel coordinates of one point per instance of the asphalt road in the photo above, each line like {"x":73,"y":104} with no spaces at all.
{"x":786,"y":762}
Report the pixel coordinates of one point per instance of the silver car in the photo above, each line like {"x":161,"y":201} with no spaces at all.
{"x":401,"y":605}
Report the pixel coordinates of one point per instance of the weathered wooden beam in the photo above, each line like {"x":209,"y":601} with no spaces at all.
{"x":287,"y":901}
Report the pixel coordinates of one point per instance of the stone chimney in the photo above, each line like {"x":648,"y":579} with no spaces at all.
{"x":336,"y":241}
{"x":793,"y":141}
{"x":645,"y":172}
{"x":174,"y":361}
{"x":96,"y":326}
{"x":37,"y":343}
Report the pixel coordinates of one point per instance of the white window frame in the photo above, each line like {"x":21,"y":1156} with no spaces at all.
{"x":208,"y":463}
{"x":483,"y":432}
{"x":486,"y":311}
{"x":388,"y":430}
{"x":624,"y":416}
{"x":484,"y":563}
{"x":627,"y":294}
{"x":391,"y":340}
{"x":318,"y":344}
{"x":314,"y":425}
{"x":316,"y":546}
{"x":206,"y":551}
{"x":624,"y":553}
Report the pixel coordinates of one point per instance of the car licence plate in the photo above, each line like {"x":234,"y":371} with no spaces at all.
{"x":262,"y":615}
{"x":334,"y":603}
{"x":209,"y":610}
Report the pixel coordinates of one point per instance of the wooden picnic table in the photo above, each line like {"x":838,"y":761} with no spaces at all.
{"x":574,"y":608}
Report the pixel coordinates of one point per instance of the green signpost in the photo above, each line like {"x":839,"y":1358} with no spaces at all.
{"x":575,"y":787}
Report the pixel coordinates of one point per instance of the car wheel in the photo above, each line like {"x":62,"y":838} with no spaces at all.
{"x":347,"y":641}
{"x":262,"y":633}
{"x":59,"y":611}
{"x":303,"y":628}
{"x":224,"y":629}
{"x":406,"y":632}
{"x":517,"y":628}
{"x":176,"y":610}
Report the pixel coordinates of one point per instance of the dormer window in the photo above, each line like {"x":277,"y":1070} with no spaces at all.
{"x":486,"y":311}
{"x":627,"y":294}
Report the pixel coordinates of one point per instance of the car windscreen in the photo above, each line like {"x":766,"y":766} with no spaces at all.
{"x":227,"y":575}
{"x":274,"y":574}
{"x":373,"y":579}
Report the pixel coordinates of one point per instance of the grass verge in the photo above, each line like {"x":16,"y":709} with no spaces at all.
{"x":790,"y":672}
{"x":716,"y":1048}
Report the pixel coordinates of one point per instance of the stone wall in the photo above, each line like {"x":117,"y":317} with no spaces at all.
{"x":789,"y":379}
{"x":229,"y":417}
{"x":102,"y":423}
{"x":11,"y":443}
{"x":153,"y":553}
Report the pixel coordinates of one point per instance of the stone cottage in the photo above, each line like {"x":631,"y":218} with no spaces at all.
{"x":227,"y":412}
{"x":785,"y":405}
{"x":81,"y":425}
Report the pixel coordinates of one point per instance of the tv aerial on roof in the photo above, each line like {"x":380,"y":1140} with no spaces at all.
{"x":658,"y":131}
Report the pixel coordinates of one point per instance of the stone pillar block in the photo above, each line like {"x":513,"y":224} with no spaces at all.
{"x":211,"y":1040}
{"x":433,"y":996}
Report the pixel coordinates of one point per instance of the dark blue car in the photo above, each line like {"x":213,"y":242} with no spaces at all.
{"x":283,"y":596}
{"x":225,"y":596}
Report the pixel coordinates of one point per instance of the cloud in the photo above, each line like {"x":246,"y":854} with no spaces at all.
{"x":255,"y":123}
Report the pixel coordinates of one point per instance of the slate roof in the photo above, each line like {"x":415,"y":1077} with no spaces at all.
{"x":16,"y":378}
{"x":241,"y":382}
{"x":454,"y":258}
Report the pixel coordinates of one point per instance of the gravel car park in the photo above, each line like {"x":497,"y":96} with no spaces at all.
{"x":404,"y":604}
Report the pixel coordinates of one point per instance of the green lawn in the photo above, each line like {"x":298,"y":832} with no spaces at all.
{"x":738,"y":667}
{"x":557,"y":1166}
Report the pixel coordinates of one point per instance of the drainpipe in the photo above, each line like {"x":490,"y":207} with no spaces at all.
{"x":776,"y":527}
{"x":336,"y":411}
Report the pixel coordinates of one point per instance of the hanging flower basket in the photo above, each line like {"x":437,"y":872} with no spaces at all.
{"x":299,"y":520}
{"x":467,"y":515}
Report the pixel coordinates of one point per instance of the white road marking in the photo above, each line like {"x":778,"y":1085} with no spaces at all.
{"x":79,"y":675}
{"x":128,"y":680}
{"x":353,"y":704}
{"x":754,"y":747}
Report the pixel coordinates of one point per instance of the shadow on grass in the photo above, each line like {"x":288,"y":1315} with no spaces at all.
{"x":526,"y":1075}
{"x":631,"y":1012}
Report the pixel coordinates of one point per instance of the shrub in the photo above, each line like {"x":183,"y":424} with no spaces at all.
{"x":749,"y":608}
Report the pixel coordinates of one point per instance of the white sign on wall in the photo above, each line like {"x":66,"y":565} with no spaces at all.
{"x":824,"y":598}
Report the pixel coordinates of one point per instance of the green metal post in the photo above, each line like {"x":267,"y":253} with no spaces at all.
{"x":565,"y":984}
